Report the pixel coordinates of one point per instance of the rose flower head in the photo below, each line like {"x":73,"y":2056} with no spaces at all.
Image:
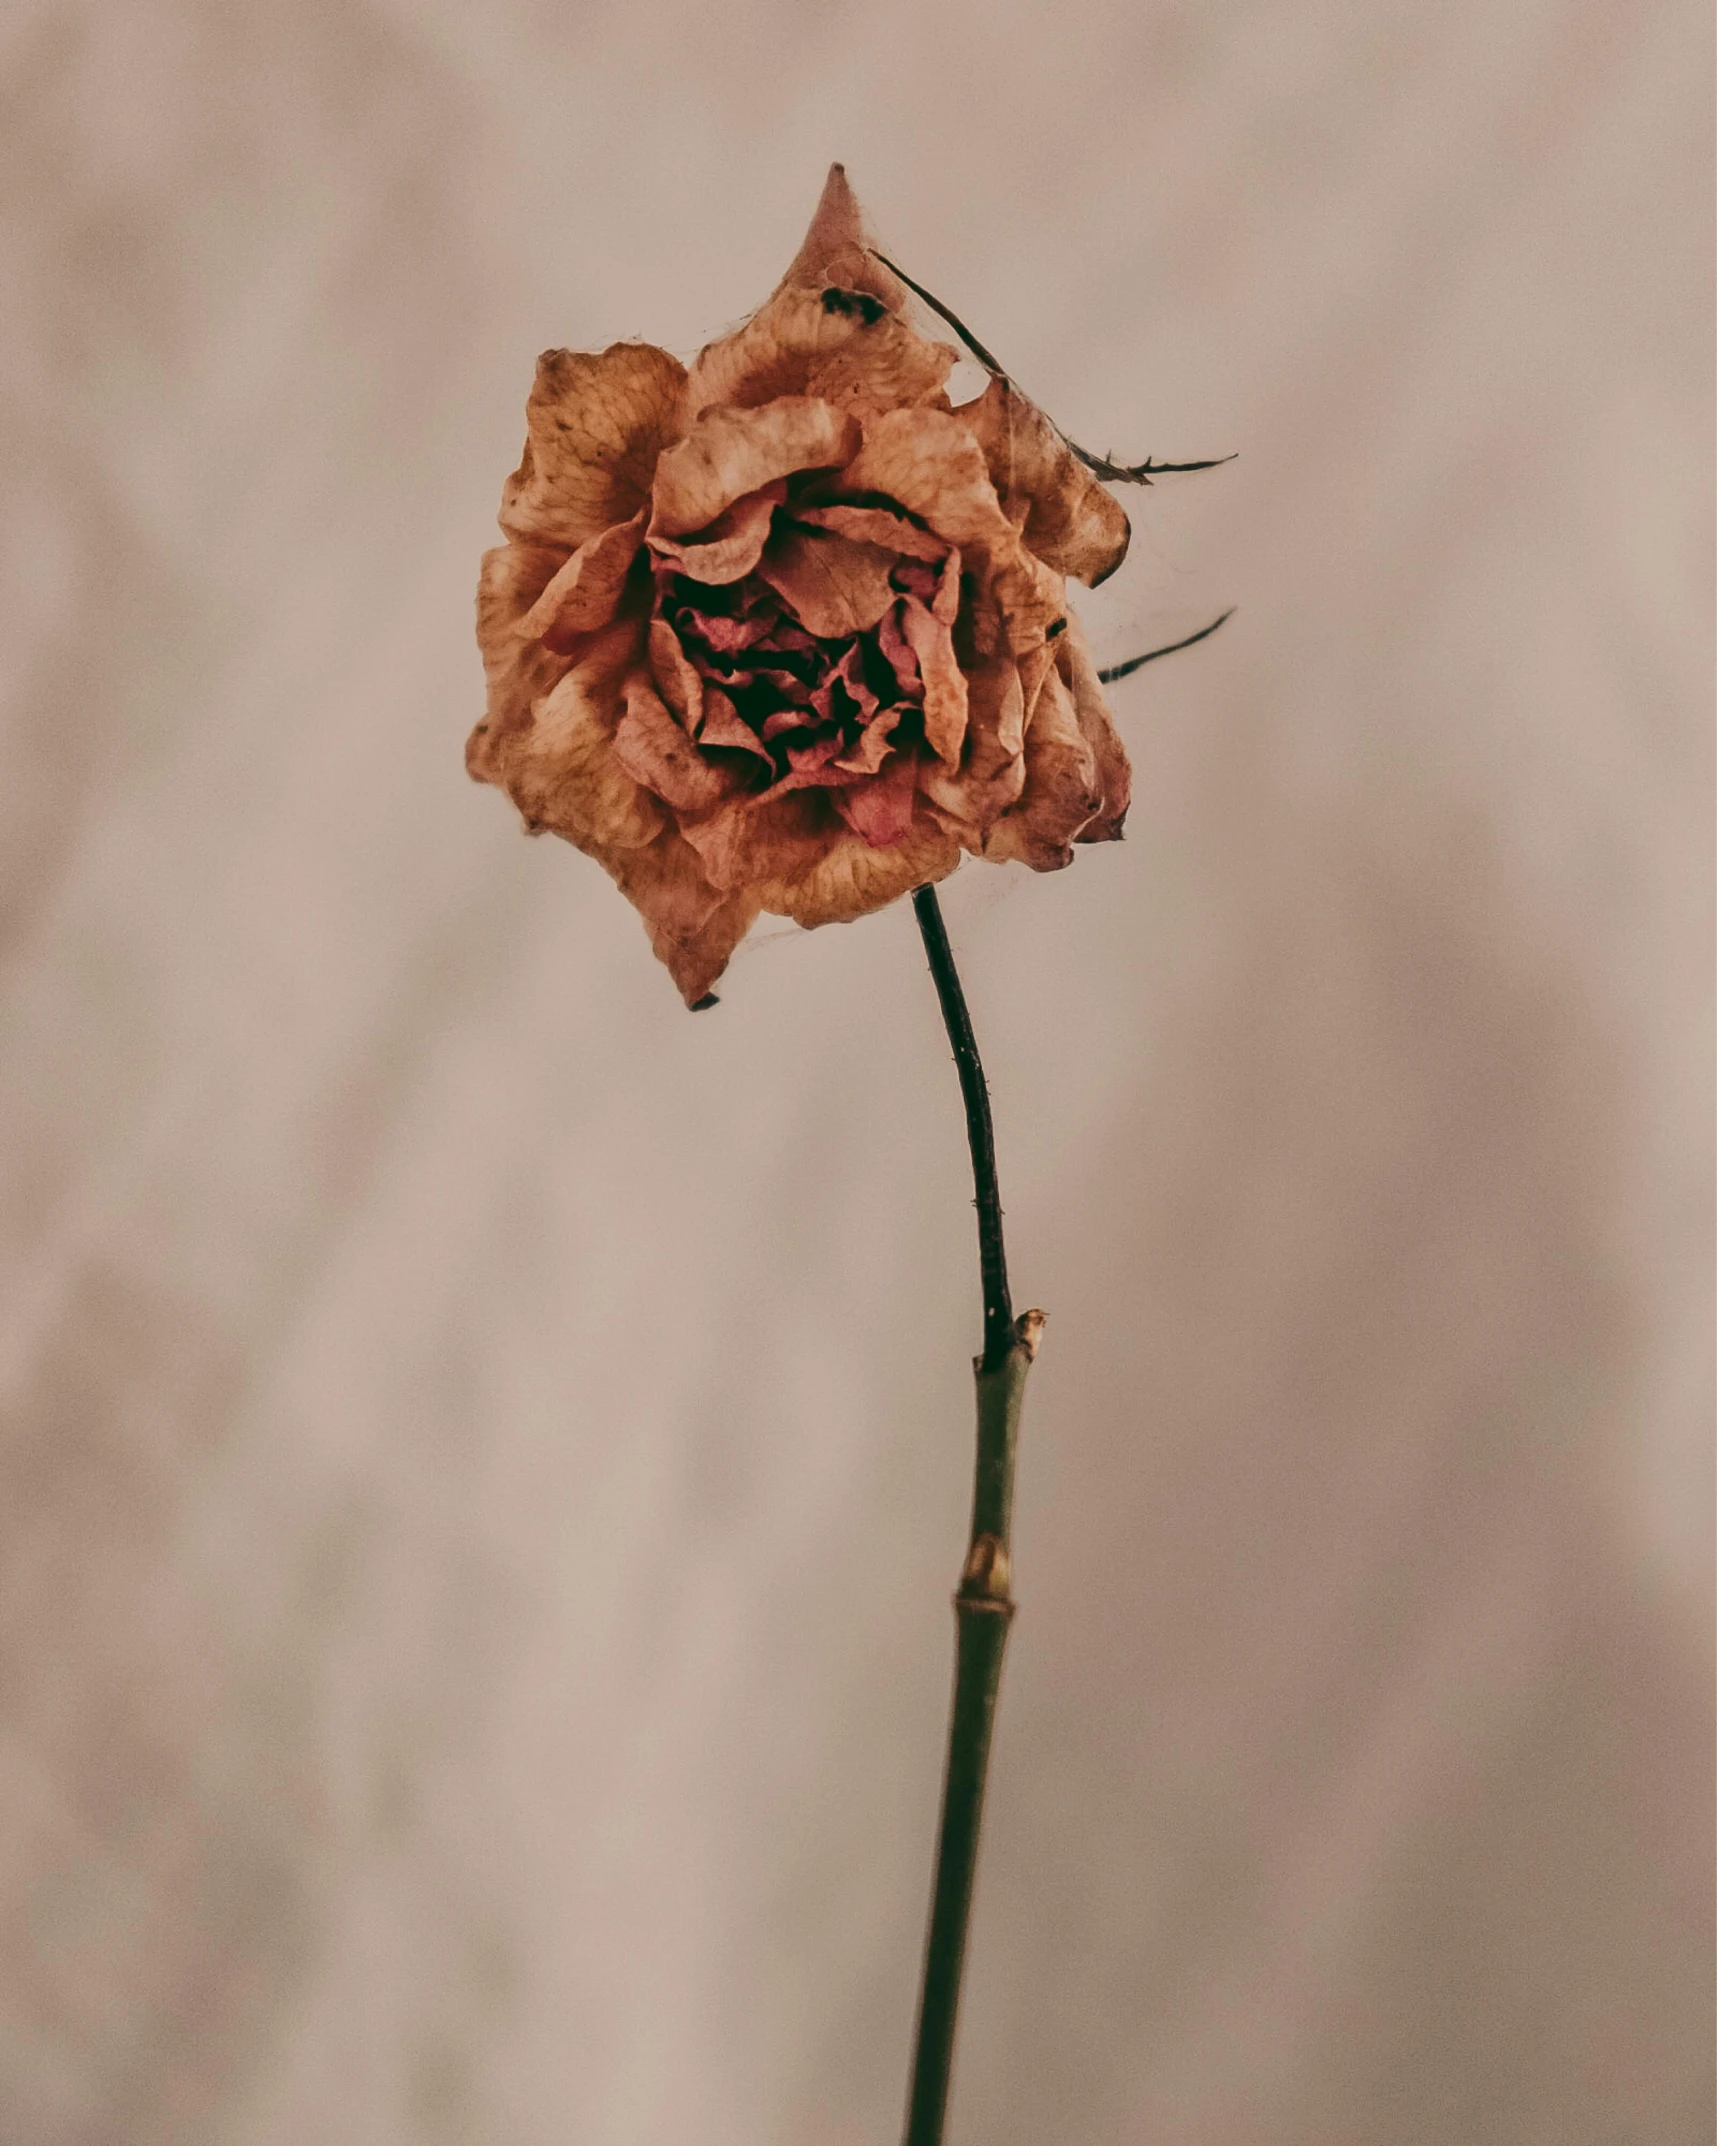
{"x":787,"y":631}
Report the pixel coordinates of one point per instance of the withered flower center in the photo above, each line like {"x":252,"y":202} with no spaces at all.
{"x":788,"y":708}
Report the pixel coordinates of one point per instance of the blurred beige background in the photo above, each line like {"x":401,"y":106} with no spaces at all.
{"x":486,"y":1455}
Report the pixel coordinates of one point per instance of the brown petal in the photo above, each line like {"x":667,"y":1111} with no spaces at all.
{"x":560,"y":767}
{"x":693,"y":927}
{"x":991,"y":773}
{"x":511,"y":579}
{"x":723,"y":725}
{"x":696,"y":963}
{"x":1029,"y":600}
{"x":677,"y":678}
{"x":875,"y":525}
{"x":875,"y":743}
{"x":749,"y":843}
{"x":597,"y":421}
{"x":728,"y":453}
{"x":732,"y":544}
{"x":518,"y":672}
{"x":826,"y":342}
{"x":1070,"y":521}
{"x":833,"y":586}
{"x":836,"y":248}
{"x":585,"y":593}
{"x":851,"y":879}
{"x":944,"y":681}
{"x":880,"y":811}
{"x":928,"y":461}
{"x":653,"y":749}
{"x":1114,"y":772}
{"x":1060,"y":793}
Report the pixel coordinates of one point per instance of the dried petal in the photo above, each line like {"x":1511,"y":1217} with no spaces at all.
{"x":751,"y":843}
{"x":731,"y":546}
{"x":655,"y":751}
{"x":875,"y":743}
{"x":728,"y":453}
{"x":833,"y":586}
{"x":881,"y":811}
{"x":991,"y":772}
{"x":850,"y":879}
{"x":944,"y":681}
{"x":930,"y":463}
{"x":519,"y":672}
{"x":585,"y":593}
{"x":1067,"y":518}
{"x":677,"y":677}
{"x":1114,"y":774}
{"x":837,"y":344}
{"x":1060,"y":793}
{"x":597,"y":423}
{"x":693,"y":927}
{"x":696,"y":962}
{"x":876,"y":525}
{"x":560,"y":765}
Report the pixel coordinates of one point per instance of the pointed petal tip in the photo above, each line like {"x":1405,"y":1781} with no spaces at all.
{"x":837,"y":247}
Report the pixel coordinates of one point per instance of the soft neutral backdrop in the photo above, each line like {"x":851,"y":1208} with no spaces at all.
{"x":486,"y":1453}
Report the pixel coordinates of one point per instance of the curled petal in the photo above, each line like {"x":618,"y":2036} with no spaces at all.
{"x":991,"y":772}
{"x":728,"y":453}
{"x":596,"y":423}
{"x":676,"y":677}
{"x":519,"y":672}
{"x":875,"y":742}
{"x":833,"y":586}
{"x":1069,"y":520}
{"x":850,"y":878}
{"x":944,"y":682}
{"x":731,"y":546}
{"x":696,"y":963}
{"x":559,"y":765}
{"x":930,"y":463}
{"x":585,"y":593}
{"x":839,"y":344}
{"x":1060,"y":793}
{"x":693,"y":926}
{"x":881,"y":811}
{"x":876,"y":525}
{"x":749,"y":842}
{"x":1114,"y":772}
{"x":1026,"y":600}
{"x":655,"y":751}
{"x":722,"y":725}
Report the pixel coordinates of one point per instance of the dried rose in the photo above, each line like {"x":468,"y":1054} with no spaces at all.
{"x":787,"y":631}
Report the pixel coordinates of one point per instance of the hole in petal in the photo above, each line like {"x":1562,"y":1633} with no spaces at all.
{"x":967,"y":382}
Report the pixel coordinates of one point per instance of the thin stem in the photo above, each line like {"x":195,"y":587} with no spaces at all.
{"x":983,"y":1604}
{"x":980,"y":1133}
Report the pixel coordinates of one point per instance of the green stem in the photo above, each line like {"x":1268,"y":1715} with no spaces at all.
{"x":983,"y":1610}
{"x":983,"y":1604}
